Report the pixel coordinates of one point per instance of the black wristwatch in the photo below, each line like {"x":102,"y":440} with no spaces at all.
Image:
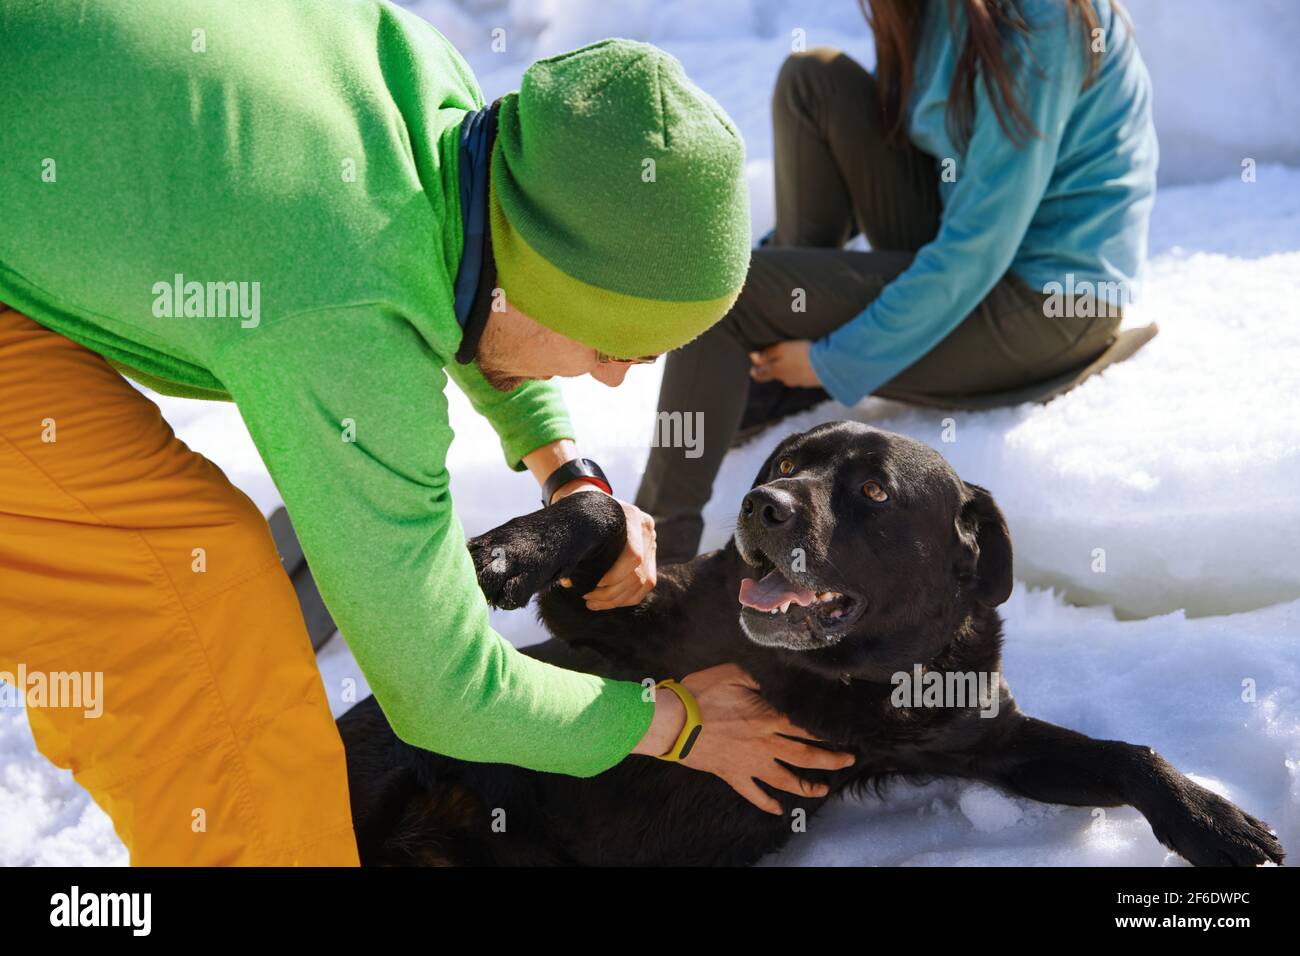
{"x":583,"y":469}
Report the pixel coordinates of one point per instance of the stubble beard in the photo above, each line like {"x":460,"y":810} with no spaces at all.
{"x":492,"y":344}
{"x":501,"y":381}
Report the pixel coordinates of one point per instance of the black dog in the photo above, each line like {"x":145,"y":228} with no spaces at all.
{"x":859,"y":555}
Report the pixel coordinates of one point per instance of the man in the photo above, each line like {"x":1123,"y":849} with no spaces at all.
{"x":306,"y":209}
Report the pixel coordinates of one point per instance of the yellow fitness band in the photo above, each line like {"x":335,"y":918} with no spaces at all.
{"x":691,"y":730}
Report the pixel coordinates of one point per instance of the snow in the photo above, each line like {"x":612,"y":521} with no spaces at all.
{"x":1170,"y":682}
{"x":1177,"y":468}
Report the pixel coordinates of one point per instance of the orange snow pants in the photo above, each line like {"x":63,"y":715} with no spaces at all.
{"x":125,"y":554}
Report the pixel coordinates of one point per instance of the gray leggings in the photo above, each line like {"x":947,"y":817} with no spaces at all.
{"x":836,"y":175}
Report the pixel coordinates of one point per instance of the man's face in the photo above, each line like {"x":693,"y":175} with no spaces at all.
{"x":515,"y":349}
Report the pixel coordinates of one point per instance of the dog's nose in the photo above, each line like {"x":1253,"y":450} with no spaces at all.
{"x":770,"y":506}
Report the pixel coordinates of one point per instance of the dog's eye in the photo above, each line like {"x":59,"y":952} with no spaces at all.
{"x":873,"y":491}
{"x":785,"y":466}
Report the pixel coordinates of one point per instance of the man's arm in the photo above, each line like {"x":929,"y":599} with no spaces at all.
{"x":635,"y":573}
{"x":525,"y":419}
{"x":347,"y":409}
{"x":536,"y":433}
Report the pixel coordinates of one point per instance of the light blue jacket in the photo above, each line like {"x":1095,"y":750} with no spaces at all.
{"x":1069,"y":206}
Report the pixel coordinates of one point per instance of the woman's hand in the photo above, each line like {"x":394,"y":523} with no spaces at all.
{"x":742,"y":737}
{"x":633,"y":575}
{"x":786,"y":362}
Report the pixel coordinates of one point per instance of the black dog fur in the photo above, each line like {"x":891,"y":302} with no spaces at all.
{"x":922,"y":573}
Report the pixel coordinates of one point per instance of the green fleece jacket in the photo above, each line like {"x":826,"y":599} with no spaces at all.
{"x":290,"y":169}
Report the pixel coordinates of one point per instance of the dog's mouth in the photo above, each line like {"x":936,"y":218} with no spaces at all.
{"x":784,"y":608}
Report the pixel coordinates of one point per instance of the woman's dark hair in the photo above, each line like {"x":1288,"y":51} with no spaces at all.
{"x":991,"y":23}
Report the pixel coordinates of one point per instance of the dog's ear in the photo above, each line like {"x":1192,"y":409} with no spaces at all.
{"x":986,"y":547}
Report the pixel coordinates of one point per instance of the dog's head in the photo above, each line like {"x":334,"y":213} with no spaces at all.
{"x":868,"y":551}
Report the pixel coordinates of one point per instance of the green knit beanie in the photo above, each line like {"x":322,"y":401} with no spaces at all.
{"x":620,"y":216}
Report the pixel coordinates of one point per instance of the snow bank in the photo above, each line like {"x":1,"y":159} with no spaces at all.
{"x":1225,"y":78}
{"x":45,"y":818}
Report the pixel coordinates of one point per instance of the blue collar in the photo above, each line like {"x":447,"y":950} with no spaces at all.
{"x":477,"y":270}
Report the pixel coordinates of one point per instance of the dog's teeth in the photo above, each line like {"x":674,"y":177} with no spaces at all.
{"x":785,"y":607}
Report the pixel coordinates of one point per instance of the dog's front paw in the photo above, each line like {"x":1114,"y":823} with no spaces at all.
{"x":579,"y":536}
{"x":1207,"y":830}
{"x":514,"y":562}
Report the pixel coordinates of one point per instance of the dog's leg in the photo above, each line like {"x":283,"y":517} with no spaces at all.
{"x":1049,"y":763}
{"x":578,"y":538}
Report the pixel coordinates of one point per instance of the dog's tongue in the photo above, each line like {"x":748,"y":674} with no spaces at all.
{"x":772,"y":591}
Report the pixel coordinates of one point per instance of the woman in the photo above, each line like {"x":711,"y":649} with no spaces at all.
{"x":1001,"y":164}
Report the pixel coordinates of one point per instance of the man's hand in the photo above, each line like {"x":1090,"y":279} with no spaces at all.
{"x":744,"y":740}
{"x":633,"y":575}
{"x":786,"y":362}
